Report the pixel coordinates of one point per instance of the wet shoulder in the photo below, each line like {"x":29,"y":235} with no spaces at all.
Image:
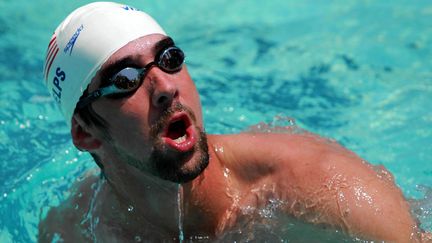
{"x":270,"y":145}
{"x":260,"y":154}
{"x":67,"y":220}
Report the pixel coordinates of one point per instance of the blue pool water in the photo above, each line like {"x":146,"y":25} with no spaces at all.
{"x":359,"y":72}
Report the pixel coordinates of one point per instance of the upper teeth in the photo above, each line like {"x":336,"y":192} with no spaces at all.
{"x":180,"y":139}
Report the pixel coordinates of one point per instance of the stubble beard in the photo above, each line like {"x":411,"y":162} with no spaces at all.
{"x":177,"y":167}
{"x":168,"y":165}
{"x":183,"y":167}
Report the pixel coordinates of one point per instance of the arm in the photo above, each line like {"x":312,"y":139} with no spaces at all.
{"x":322,"y":182}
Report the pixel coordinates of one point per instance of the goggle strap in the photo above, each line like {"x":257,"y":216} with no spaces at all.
{"x":89,"y":99}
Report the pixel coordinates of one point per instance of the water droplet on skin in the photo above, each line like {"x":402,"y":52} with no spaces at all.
{"x":219,"y":149}
{"x":383,"y":173}
{"x":93,"y":186}
{"x":226,"y":172}
{"x":138,"y":238}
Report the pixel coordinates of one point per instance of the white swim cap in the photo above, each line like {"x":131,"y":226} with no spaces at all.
{"x":84,"y":41}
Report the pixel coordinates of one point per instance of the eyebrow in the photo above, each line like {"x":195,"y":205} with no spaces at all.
{"x":116,"y":66}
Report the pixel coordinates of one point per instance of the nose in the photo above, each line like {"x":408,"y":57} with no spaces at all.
{"x":164,"y":88}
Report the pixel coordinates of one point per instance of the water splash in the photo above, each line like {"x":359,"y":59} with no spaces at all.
{"x":180,"y":212}
{"x":280,"y":124}
{"x":93,"y":221}
{"x":230,"y":215}
{"x":138,"y":238}
{"x":422,"y":208}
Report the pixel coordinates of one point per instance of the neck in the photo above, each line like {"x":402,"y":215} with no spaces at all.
{"x":149,"y":197}
{"x":207,"y":200}
{"x":202,"y":204}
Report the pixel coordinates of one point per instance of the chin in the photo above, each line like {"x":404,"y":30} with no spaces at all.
{"x":183,"y":167}
{"x":192,"y":169}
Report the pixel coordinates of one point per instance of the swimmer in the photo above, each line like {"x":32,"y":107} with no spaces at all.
{"x":125,"y":91}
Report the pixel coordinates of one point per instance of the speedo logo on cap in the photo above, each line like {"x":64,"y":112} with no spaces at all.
{"x":71,"y":43}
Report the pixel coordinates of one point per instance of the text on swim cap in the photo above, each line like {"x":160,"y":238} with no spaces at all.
{"x":57,"y":89}
{"x":72,"y":40}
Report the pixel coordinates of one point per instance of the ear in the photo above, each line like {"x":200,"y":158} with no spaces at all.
{"x":82,"y":138}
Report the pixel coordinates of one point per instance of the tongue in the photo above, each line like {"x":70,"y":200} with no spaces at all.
{"x":180,"y":135}
{"x":176,"y":130}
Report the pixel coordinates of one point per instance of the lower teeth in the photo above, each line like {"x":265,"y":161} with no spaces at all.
{"x":180,"y":139}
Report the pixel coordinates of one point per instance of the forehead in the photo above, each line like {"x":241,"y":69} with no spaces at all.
{"x":139,"y":48}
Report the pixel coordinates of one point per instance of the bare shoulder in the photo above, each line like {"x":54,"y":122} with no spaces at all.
{"x":305,"y":160}
{"x":343,"y":189}
{"x":282,"y":149}
{"x":282,"y":142}
{"x":66,"y":220}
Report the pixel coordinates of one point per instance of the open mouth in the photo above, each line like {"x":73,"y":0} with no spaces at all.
{"x":180,"y":134}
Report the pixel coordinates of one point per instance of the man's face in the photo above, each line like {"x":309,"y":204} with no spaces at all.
{"x":158,"y":128}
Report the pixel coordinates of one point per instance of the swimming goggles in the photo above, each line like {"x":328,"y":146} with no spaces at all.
{"x":128,"y":80}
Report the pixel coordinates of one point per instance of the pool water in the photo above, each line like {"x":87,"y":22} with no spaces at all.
{"x":359,"y":72}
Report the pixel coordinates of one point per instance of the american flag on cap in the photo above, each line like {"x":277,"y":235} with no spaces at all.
{"x":50,"y":56}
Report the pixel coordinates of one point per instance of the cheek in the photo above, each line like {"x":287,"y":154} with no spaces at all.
{"x":189,"y":96}
{"x":129,"y":111}
{"x":128,"y":127}
{"x":133,"y":139}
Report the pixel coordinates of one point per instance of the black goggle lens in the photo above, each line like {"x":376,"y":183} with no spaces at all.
{"x":127,"y":79}
{"x":169,"y":60}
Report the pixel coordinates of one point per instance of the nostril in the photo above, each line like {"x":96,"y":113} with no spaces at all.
{"x":164,"y":93}
{"x":162,"y":100}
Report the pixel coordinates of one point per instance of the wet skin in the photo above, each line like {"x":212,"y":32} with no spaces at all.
{"x":318,"y":181}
